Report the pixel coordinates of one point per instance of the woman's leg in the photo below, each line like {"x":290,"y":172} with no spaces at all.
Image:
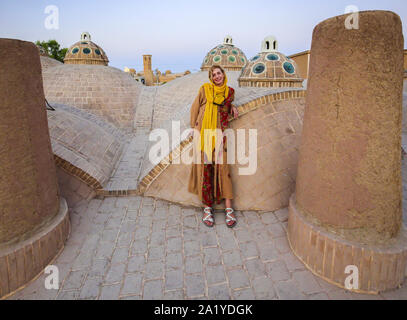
{"x":207,"y":197}
{"x":230,"y":216}
{"x":228,"y":203}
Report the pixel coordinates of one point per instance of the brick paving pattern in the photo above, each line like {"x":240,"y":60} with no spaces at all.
{"x":142,"y":248}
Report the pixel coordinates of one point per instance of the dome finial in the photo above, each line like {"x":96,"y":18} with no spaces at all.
{"x":85,"y":36}
{"x":269,"y":44}
{"x":228,"y":40}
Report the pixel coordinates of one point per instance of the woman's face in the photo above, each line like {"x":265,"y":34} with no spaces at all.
{"x":218,"y":77}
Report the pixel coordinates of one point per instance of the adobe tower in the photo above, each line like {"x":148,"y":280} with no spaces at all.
{"x":34,"y":220}
{"x":346,"y":210}
{"x":148,"y":72}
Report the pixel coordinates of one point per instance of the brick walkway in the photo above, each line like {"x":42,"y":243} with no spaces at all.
{"x":141,"y":248}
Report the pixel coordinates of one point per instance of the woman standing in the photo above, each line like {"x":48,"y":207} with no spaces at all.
{"x":210,"y":176}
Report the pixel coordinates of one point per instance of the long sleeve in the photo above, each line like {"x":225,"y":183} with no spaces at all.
{"x":196,"y":106}
{"x":232,"y":97}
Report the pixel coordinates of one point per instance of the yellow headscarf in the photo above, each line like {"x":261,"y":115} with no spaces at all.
{"x":213,"y":94}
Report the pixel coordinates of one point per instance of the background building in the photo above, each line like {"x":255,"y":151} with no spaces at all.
{"x":302,"y":61}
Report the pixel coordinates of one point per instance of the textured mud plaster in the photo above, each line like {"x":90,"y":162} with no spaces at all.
{"x":349,"y":178}
{"x":29,"y":194}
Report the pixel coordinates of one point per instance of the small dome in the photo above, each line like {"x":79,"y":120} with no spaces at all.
{"x":86,"y":52}
{"x":106,"y":92}
{"x":270,"y":68}
{"x":226,"y":55}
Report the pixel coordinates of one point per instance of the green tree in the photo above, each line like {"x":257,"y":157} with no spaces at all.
{"x":53,"y":48}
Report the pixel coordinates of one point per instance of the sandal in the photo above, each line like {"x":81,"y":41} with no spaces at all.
{"x":230,"y":220}
{"x":207,"y":219}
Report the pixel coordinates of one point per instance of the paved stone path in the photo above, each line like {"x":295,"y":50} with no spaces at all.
{"x":126,"y":174}
{"x":127,"y":171}
{"x":142,"y":248}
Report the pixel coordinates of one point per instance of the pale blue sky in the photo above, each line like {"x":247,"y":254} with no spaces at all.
{"x":178,"y":33}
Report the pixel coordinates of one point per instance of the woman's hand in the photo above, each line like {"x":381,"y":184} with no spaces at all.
{"x":235,"y":112}
{"x":190,"y":134}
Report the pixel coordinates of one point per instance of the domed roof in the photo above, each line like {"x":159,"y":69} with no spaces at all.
{"x":226,"y":55}
{"x":86,"y":142}
{"x":47,"y":62}
{"x":86,"y":52}
{"x":276,"y":114}
{"x":270,"y":68}
{"x":106,"y":92}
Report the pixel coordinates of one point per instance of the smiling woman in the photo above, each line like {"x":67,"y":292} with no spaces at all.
{"x":210,"y":177}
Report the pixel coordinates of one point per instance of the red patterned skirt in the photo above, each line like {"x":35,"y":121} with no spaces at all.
{"x":210,"y":184}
